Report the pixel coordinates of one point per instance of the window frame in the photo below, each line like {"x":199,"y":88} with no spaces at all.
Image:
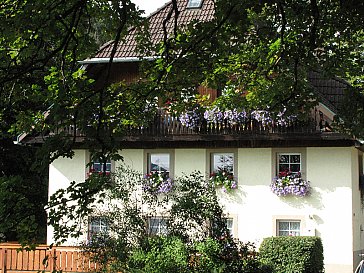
{"x":103,"y":225}
{"x":102,"y":165}
{"x":289,"y":161}
{"x":276,"y":152}
{"x":276,"y":219}
{"x":147,"y":160}
{"x":210,"y":160}
{"x":290,"y":230}
{"x":194,"y":4}
{"x":159,"y":227}
{"x":233,"y":230}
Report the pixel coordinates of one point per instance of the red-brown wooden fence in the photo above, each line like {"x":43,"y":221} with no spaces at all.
{"x":67,"y":259}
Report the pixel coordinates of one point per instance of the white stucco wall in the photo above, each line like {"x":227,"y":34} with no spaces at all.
{"x":61,"y":173}
{"x":332,"y":211}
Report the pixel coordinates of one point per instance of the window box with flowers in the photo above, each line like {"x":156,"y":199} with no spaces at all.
{"x":288,"y":183}
{"x":223,"y":179}
{"x":157,"y":183}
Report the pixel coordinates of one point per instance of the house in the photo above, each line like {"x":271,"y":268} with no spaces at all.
{"x":254,"y":153}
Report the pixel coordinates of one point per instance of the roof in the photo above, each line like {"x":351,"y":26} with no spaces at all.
{"x":127,"y":47}
{"x":331,"y":90}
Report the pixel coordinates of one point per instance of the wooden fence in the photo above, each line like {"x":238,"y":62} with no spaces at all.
{"x":65,"y":259}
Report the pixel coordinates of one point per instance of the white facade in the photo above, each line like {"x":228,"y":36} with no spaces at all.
{"x":333,"y":211}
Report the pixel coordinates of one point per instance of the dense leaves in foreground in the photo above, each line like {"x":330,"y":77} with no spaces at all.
{"x":257,"y":53}
{"x":193,"y":238}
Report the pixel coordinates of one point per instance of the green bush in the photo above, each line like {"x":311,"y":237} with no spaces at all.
{"x":160,"y":255}
{"x":293,"y":254}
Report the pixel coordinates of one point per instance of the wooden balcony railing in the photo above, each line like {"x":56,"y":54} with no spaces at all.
{"x":65,"y":259}
{"x":165,"y":124}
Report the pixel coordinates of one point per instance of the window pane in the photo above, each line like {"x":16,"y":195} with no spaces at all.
{"x":295,"y":159}
{"x":283,"y":226}
{"x":283,"y":159}
{"x":222,"y":161}
{"x":97,"y":166}
{"x":283,"y":233}
{"x":295,"y":168}
{"x":229,"y":225}
{"x":194,"y":3}
{"x":283,"y":167}
{"x":295,"y":226}
{"x":289,"y":162}
{"x":157,"y":226}
{"x":97,"y":225}
{"x":289,"y":228}
{"x":159,"y":163}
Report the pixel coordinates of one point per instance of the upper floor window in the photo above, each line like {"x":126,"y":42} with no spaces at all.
{"x":194,"y":4}
{"x":98,"y":166}
{"x":97,"y":225}
{"x":222,"y":162}
{"x":289,"y":162}
{"x":157,"y":226}
{"x":159,"y":162}
{"x":288,"y":228}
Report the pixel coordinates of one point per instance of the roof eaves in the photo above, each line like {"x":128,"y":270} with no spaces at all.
{"x":117,"y":60}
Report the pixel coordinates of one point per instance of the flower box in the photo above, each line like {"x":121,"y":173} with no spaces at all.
{"x":223,"y":179}
{"x":287,"y":183}
{"x":157,"y":183}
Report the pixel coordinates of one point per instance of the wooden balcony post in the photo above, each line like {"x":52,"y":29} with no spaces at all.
{"x":3,"y":260}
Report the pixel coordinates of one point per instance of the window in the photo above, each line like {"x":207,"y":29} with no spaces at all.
{"x":157,"y":226}
{"x":98,"y":166}
{"x":222,"y":162}
{"x":159,"y":162}
{"x":194,"y":4}
{"x":288,"y":228}
{"x":97,"y":225}
{"x":230,"y":226}
{"x":289,"y":162}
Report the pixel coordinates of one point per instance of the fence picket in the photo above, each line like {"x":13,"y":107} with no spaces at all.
{"x":67,"y":259}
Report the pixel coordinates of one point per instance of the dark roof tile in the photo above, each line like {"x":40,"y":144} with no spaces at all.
{"x":128,"y":47}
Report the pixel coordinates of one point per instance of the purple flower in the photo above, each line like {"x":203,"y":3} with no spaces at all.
{"x":290,"y":185}
{"x":156,"y":183}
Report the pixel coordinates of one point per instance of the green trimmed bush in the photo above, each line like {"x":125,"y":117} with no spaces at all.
{"x":293,"y":254}
{"x":160,"y":255}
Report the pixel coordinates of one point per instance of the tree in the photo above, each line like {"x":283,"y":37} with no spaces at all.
{"x":258,"y":52}
{"x":193,"y":236}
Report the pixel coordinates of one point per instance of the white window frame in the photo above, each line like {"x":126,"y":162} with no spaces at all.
{"x":102,"y":226}
{"x":148,"y":155}
{"x":289,"y":218}
{"x":289,"y":161}
{"x":233,"y":227}
{"x":194,"y":4}
{"x":161,"y":230}
{"x":283,"y":151}
{"x":210,"y":159}
{"x":290,"y":230}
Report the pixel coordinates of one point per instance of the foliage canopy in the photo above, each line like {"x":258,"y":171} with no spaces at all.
{"x":258,"y":53}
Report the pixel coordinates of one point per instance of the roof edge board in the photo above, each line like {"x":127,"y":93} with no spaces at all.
{"x":116,"y":60}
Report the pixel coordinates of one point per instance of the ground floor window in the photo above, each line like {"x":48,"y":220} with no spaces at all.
{"x":97,"y":225}
{"x":157,"y":226}
{"x":230,"y":226}
{"x":288,"y":228}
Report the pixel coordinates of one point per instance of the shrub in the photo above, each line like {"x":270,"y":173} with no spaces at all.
{"x":293,"y":254}
{"x":160,"y":255}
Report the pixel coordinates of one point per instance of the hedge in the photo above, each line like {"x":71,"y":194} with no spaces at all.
{"x":289,"y":254}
